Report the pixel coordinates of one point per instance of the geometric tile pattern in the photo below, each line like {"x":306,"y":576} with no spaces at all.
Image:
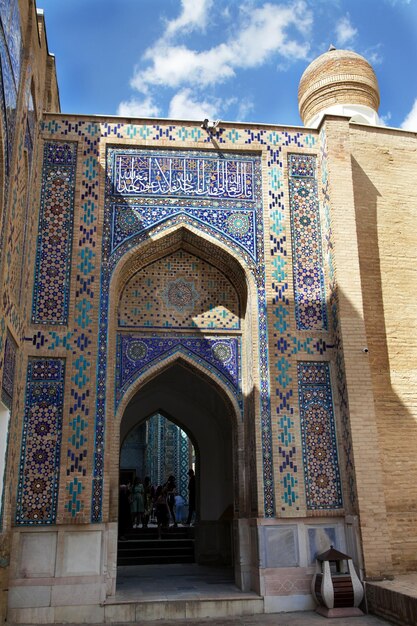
{"x":167,"y":452}
{"x":184,"y":445}
{"x":309,"y":295}
{"x":238,"y":222}
{"x":321,"y":467}
{"x":53,"y":264}
{"x":9,"y":365}
{"x":41,"y":442}
{"x":83,"y":290}
{"x":136,"y":354}
{"x":199,"y":296}
{"x":285,"y":344}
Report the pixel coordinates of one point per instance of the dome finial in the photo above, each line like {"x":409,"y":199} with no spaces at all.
{"x":331,"y":48}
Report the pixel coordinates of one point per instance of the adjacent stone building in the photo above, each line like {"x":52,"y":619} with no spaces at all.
{"x":254,"y":283}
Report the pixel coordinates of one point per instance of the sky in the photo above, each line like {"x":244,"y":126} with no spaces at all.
{"x":233,"y":60}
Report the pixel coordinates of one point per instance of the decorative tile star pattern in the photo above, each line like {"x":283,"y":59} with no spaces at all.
{"x":41,"y":442}
{"x":320,"y":459}
{"x":53,"y":264}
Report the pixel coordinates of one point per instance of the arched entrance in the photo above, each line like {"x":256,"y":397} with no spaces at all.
{"x":202,"y":409}
{"x":184,"y":341}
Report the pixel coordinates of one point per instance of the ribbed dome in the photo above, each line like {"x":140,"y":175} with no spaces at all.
{"x":335,"y":79}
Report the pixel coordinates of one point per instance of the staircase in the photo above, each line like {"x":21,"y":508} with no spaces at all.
{"x":151,"y":546}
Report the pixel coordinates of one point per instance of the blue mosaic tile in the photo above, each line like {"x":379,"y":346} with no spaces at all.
{"x":53,"y":266}
{"x":238,"y":224}
{"x":159,"y":430}
{"x":14,"y":42}
{"x":136,"y":354}
{"x":320,"y":458}
{"x":211,"y":215}
{"x":37,"y":494}
{"x":309,"y":292}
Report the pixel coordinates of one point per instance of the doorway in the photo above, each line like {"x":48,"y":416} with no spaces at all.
{"x":199,"y":408}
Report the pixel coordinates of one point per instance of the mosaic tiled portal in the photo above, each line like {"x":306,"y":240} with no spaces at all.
{"x":321,"y":467}
{"x":53,"y":266}
{"x":237,"y":223}
{"x":180,"y":291}
{"x":213,"y":203}
{"x":310,"y":299}
{"x":136,"y":354}
{"x":41,"y":442}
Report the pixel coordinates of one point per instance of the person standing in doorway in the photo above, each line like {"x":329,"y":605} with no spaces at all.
{"x":148,"y":502}
{"x":171,"y":489}
{"x":191,"y":496}
{"x":137,"y":506}
{"x":179,"y":508}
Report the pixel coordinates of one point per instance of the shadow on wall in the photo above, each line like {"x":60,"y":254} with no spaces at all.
{"x":388,"y":322}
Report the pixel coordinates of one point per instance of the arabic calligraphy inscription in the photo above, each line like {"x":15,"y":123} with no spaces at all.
{"x":180,"y":175}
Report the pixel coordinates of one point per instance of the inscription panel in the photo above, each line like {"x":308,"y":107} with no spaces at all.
{"x":183,"y":175}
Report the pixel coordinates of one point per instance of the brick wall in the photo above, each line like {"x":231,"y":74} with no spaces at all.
{"x":384,"y":163}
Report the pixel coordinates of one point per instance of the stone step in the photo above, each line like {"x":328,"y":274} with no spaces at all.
{"x":145,"y":547}
{"x":134,"y":612}
{"x":164,"y":533}
{"x":155,"y":559}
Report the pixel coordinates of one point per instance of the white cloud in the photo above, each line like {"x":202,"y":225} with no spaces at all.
{"x":184,"y":106}
{"x":254,"y":36}
{"x":138,"y":108}
{"x":410,"y":122}
{"x":345,"y":32}
{"x":245,"y":107}
{"x":194,"y":15}
{"x":374,"y":54}
{"x":262,"y":33}
{"x":173,"y":66}
{"x":385,"y":119}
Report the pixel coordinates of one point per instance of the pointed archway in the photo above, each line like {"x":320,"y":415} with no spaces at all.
{"x":199,"y":406}
{"x":185,"y":343}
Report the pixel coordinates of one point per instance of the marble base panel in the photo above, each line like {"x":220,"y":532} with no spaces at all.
{"x":288,"y":604}
{"x":61,"y":574}
{"x":68,"y":573}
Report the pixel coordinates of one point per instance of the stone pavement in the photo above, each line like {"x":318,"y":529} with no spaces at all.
{"x":304,"y":618}
{"x":281,"y":619}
